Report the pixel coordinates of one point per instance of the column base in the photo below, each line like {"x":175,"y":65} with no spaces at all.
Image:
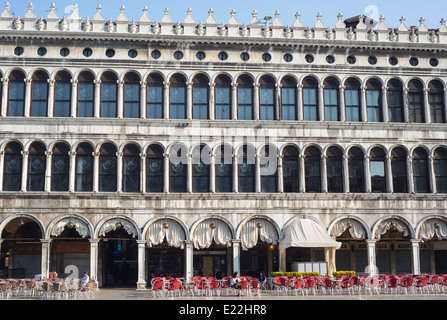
{"x":141,"y":285}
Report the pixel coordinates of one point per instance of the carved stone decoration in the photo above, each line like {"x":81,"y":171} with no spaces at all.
{"x":355,"y":228}
{"x":114,"y":224}
{"x":433,"y":229}
{"x":393,"y":225}
{"x":71,"y":222}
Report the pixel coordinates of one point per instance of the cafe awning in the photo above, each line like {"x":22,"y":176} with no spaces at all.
{"x":306,"y":233}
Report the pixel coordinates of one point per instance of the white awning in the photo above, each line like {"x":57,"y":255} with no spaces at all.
{"x":307,"y":233}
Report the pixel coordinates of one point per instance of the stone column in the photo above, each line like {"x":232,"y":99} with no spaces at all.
{"x":280,"y":174}
{"x":28,"y":93}
{"x":143,"y":99}
{"x":5,"y":94}
{"x":141,"y":283}
{"x":258,"y":186}
{"x":299,"y":102}
{"x":212,"y":173}
{"x":96,"y":170}
{"x":405,"y":105}
{"x":143,"y":172}
{"x":72,"y":170}
{"x":45,"y":264}
{"x":189,"y":101}
{"x":410,"y":174}
{"x":2,"y":159}
{"x":74,"y":98}
{"x":346,"y":174}
{"x":385,"y":114}
{"x":189,"y":258}
{"x":416,"y":256}
{"x":120,"y":98}
{"x":363,"y":107}
{"x":371,"y":256}
{"x":389,"y":174}
{"x":256,"y":110}
{"x":24,"y":170}
{"x":189,"y":186}
{"x":426,"y":106}
{"x":367,"y":174}
{"x":282,"y":260}
{"x":302,"y":173}
{"x":444,"y":109}
{"x":48,"y":168}
{"x":431,"y":176}
{"x":119,"y":175}
{"x":211,"y":102}
{"x":324,"y":186}
{"x":277,"y":102}
{"x":234,"y":114}
{"x":166,"y":172}
{"x":235,"y":173}
{"x":342,"y":103}
{"x":94,"y":259}
{"x":51,"y":98}
{"x":97,"y":106}
{"x":321,"y":102}
{"x":166,"y":100}
{"x":236,"y":255}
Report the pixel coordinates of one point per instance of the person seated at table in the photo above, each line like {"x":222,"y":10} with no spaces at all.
{"x":262,"y":282}
{"x":235,"y":282}
{"x":85,"y":279}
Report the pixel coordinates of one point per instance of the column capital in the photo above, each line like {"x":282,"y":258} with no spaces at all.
{"x":48,"y":153}
{"x":93,"y":241}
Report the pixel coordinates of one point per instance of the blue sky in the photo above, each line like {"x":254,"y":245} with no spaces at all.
{"x":432,"y":10}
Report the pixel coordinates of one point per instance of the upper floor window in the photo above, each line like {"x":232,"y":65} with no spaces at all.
{"x":416,"y":101}
{"x":178,"y":168}
{"x":178,"y":97}
{"x":16,"y":105}
{"x":39,"y":100}
{"x":267,"y":98}
{"x":334,"y":170}
{"x":131,"y":96}
{"x":154,"y":169}
{"x":356,"y":170}
{"x":331,"y":104}
{"x":291,"y":167}
{"x":12,"y":171}
{"x":223,"y":98}
{"x":395,"y":101}
{"x":246,"y":169}
{"x":374,"y":100}
{"x":154,"y":97}
{"x":60,"y":164}
{"x":109,"y":92}
{"x":86,"y":94}
{"x":84,"y":168}
{"x":245,"y":98}
{"x":420,"y":171}
{"x":399,"y":170}
{"x":288,"y":99}
{"x":36,"y":167}
{"x":62,"y":103}
{"x":131,"y":168}
{"x":312,"y":166}
{"x":310,"y":99}
{"x":201,"y":161}
{"x":352,"y":100}
{"x":436,"y":97}
{"x":440,"y":166}
{"x":268,"y":169}
{"x":377,"y":169}
{"x":224,"y":169}
{"x":200,"y":97}
{"x":107,"y":168}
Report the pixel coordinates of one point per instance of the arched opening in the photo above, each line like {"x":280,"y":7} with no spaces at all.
{"x":131,"y":168}
{"x":107,"y":168}
{"x":39,"y":96}
{"x":224,"y":169}
{"x":334,"y":164}
{"x":37,"y":161}
{"x":377,"y":169}
{"x":433,"y":246}
{"x":60,"y":166}
{"x":132,"y":95}
{"x":16,"y":101}
{"x":223,"y":98}
{"x":440,"y":166}
{"x":12,"y":170}
{"x":269,"y":168}
{"x":399,"y":170}
{"x":352,"y":100}
{"x":436,"y":98}
{"x":312,"y":167}
{"x":84,"y":168}
{"x":416,"y":102}
{"x":246,"y":169}
{"x":267,"y":104}
{"x":62,"y":97}
{"x":201,"y":162}
{"x":310,"y":99}
{"x":109,"y":94}
{"x":200,"y":97}
{"x":178,"y":168}
{"x":178,"y":97}
{"x":86,"y":95}
{"x":420,"y":171}
{"x":374,"y":101}
{"x":154,"y":169}
{"x":245,"y":107}
{"x":395,"y":101}
{"x":356,"y":168}
{"x":288,"y":99}
{"x":155,"y":96}
{"x":291,"y":169}
{"x":331,"y":100}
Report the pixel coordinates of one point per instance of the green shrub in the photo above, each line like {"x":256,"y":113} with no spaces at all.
{"x":343,"y":273}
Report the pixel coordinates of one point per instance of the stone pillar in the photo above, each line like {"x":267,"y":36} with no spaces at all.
{"x":141,"y":283}
{"x":371,"y":256}
{"x":24,"y":170}
{"x":189,"y":258}
{"x":119,"y":175}
{"x":236,"y":256}
{"x":74,"y":98}
{"x":5,"y":94}
{"x":96,"y":170}
{"x":28,"y":93}
{"x":367,"y":174}
{"x":277,"y":101}
{"x":2,"y":159}
{"x":302,"y":173}
{"x":166,"y":98}
{"x":212,"y":173}
{"x":258,"y":186}
{"x":48,"y":168}
{"x":256,"y":111}
{"x":166,"y":172}
{"x":280,"y":174}
{"x":345,"y":173}
{"x":389,"y":174}
{"x":324,"y":186}
{"x":211,"y":102}
{"x":51,"y":98}
{"x":234,"y":114}
{"x":45,"y":264}
{"x":189,"y":101}
{"x":282,"y":260}
{"x":416,"y":256}
{"x":97,"y":106}
{"x":120,"y":98}
{"x":143,"y":172}
{"x":385,"y":114}
{"x":431,"y":176}
{"x":410,"y":174}
{"x":342,"y":103}
{"x":363,"y":107}
{"x":405,"y":105}
{"x":94,"y":259}
{"x":321,"y":103}
{"x":426,"y":106}
{"x":299,"y":102}
{"x":189,"y":186}
{"x":143,"y":99}
{"x":72,"y":171}
{"x":235,"y":173}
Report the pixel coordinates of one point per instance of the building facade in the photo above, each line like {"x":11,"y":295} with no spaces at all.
{"x":138,"y":148}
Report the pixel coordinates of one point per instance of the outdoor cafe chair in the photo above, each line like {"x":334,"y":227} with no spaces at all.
{"x":309,"y":285}
{"x":214,"y":286}
{"x":225,"y":285}
{"x":392,"y":283}
{"x":298,"y":284}
{"x":422,"y":285}
{"x":173,"y":287}
{"x":157,"y":287}
{"x":407,"y":284}
{"x":5,"y":289}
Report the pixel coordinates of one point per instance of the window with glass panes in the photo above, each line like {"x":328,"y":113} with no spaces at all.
{"x":246,"y":169}
{"x":373,"y":101}
{"x":201,"y":169}
{"x":224,"y":169}
{"x":62,"y":97}
{"x":352,"y":100}
{"x":399,"y":170}
{"x":131,"y":96}
{"x":107,"y":168}
{"x":356,"y":170}
{"x":60,"y":164}
{"x":395,"y":101}
{"x":36,"y":167}
{"x":268,"y":169}
{"x":12,"y":170}
{"x":39,"y":97}
{"x":312,"y":167}
{"x":154,"y":169}
{"x":310,"y":99}
{"x":178,"y":167}
{"x":154,"y":97}
{"x":377,"y":170}
{"x":420,"y":171}
{"x":131,"y":169}
{"x":290,"y":169}
{"x":334,"y":169}
{"x":267,"y":98}
{"x":86,"y":95}
{"x":331,"y":109}
{"x":436,"y":100}
{"x":416,"y":102}
{"x":200,"y":98}
{"x":245,"y":98}
{"x":16,"y":101}
{"x":84,"y":168}
{"x":288,"y":99}
{"x":223,"y":98}
{"x":440,"y":166}
{"x":178,"y":97}
{"x":109,"y":95}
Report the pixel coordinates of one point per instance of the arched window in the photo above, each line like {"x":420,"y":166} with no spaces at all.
{"x":267,"y":98}
{"x":224,"y":169}
{"x":440,"y":165}
{"x":352,"y":100}
{"x":436,"y":99}
{"x":356,"y":170}
{"x":420,"y":171}
{"x":131,"y":96}
{"x":377,"y":169}
{"x":178,"y":97}
{"x":245,"y":98}
{"x":107,"y":168}
{"x":334,"y":165}
{"x":331,"y":103}
{"x":312,"y":166}
{"x":201,"y":169}
{"x":12,"y":171}
{"x":16,"y":101}
{"x":131,"y":168}
{"x":109,"y":91}
{"x":178,"y":168}
{"x":200,"y":97}
{"x":416,"y":101}
{"x":84,"y":168}
{"x":155,"y":97}
{"x":291,"y":169}
{"x":288,"y":99}
{"x":310,"y":99}
{"x":395,"y":101}
{"x":37,"y":161}
{"x":39,"y":98}
{"x":246,"y":168}
{"x":223,"y":98}
{"x":374,"y":101}
{"x":60,"y":166}
{"x":86,"y":95}
{"x":154,"y":169}
{"x":62,"y":97}
{"x":399,"y":170}
{"x":269,"y":166}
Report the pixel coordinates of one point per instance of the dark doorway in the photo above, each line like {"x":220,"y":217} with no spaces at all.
{"x":256,"y":259}
{"x":165,"y":261}
{"x":296,"y":255}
